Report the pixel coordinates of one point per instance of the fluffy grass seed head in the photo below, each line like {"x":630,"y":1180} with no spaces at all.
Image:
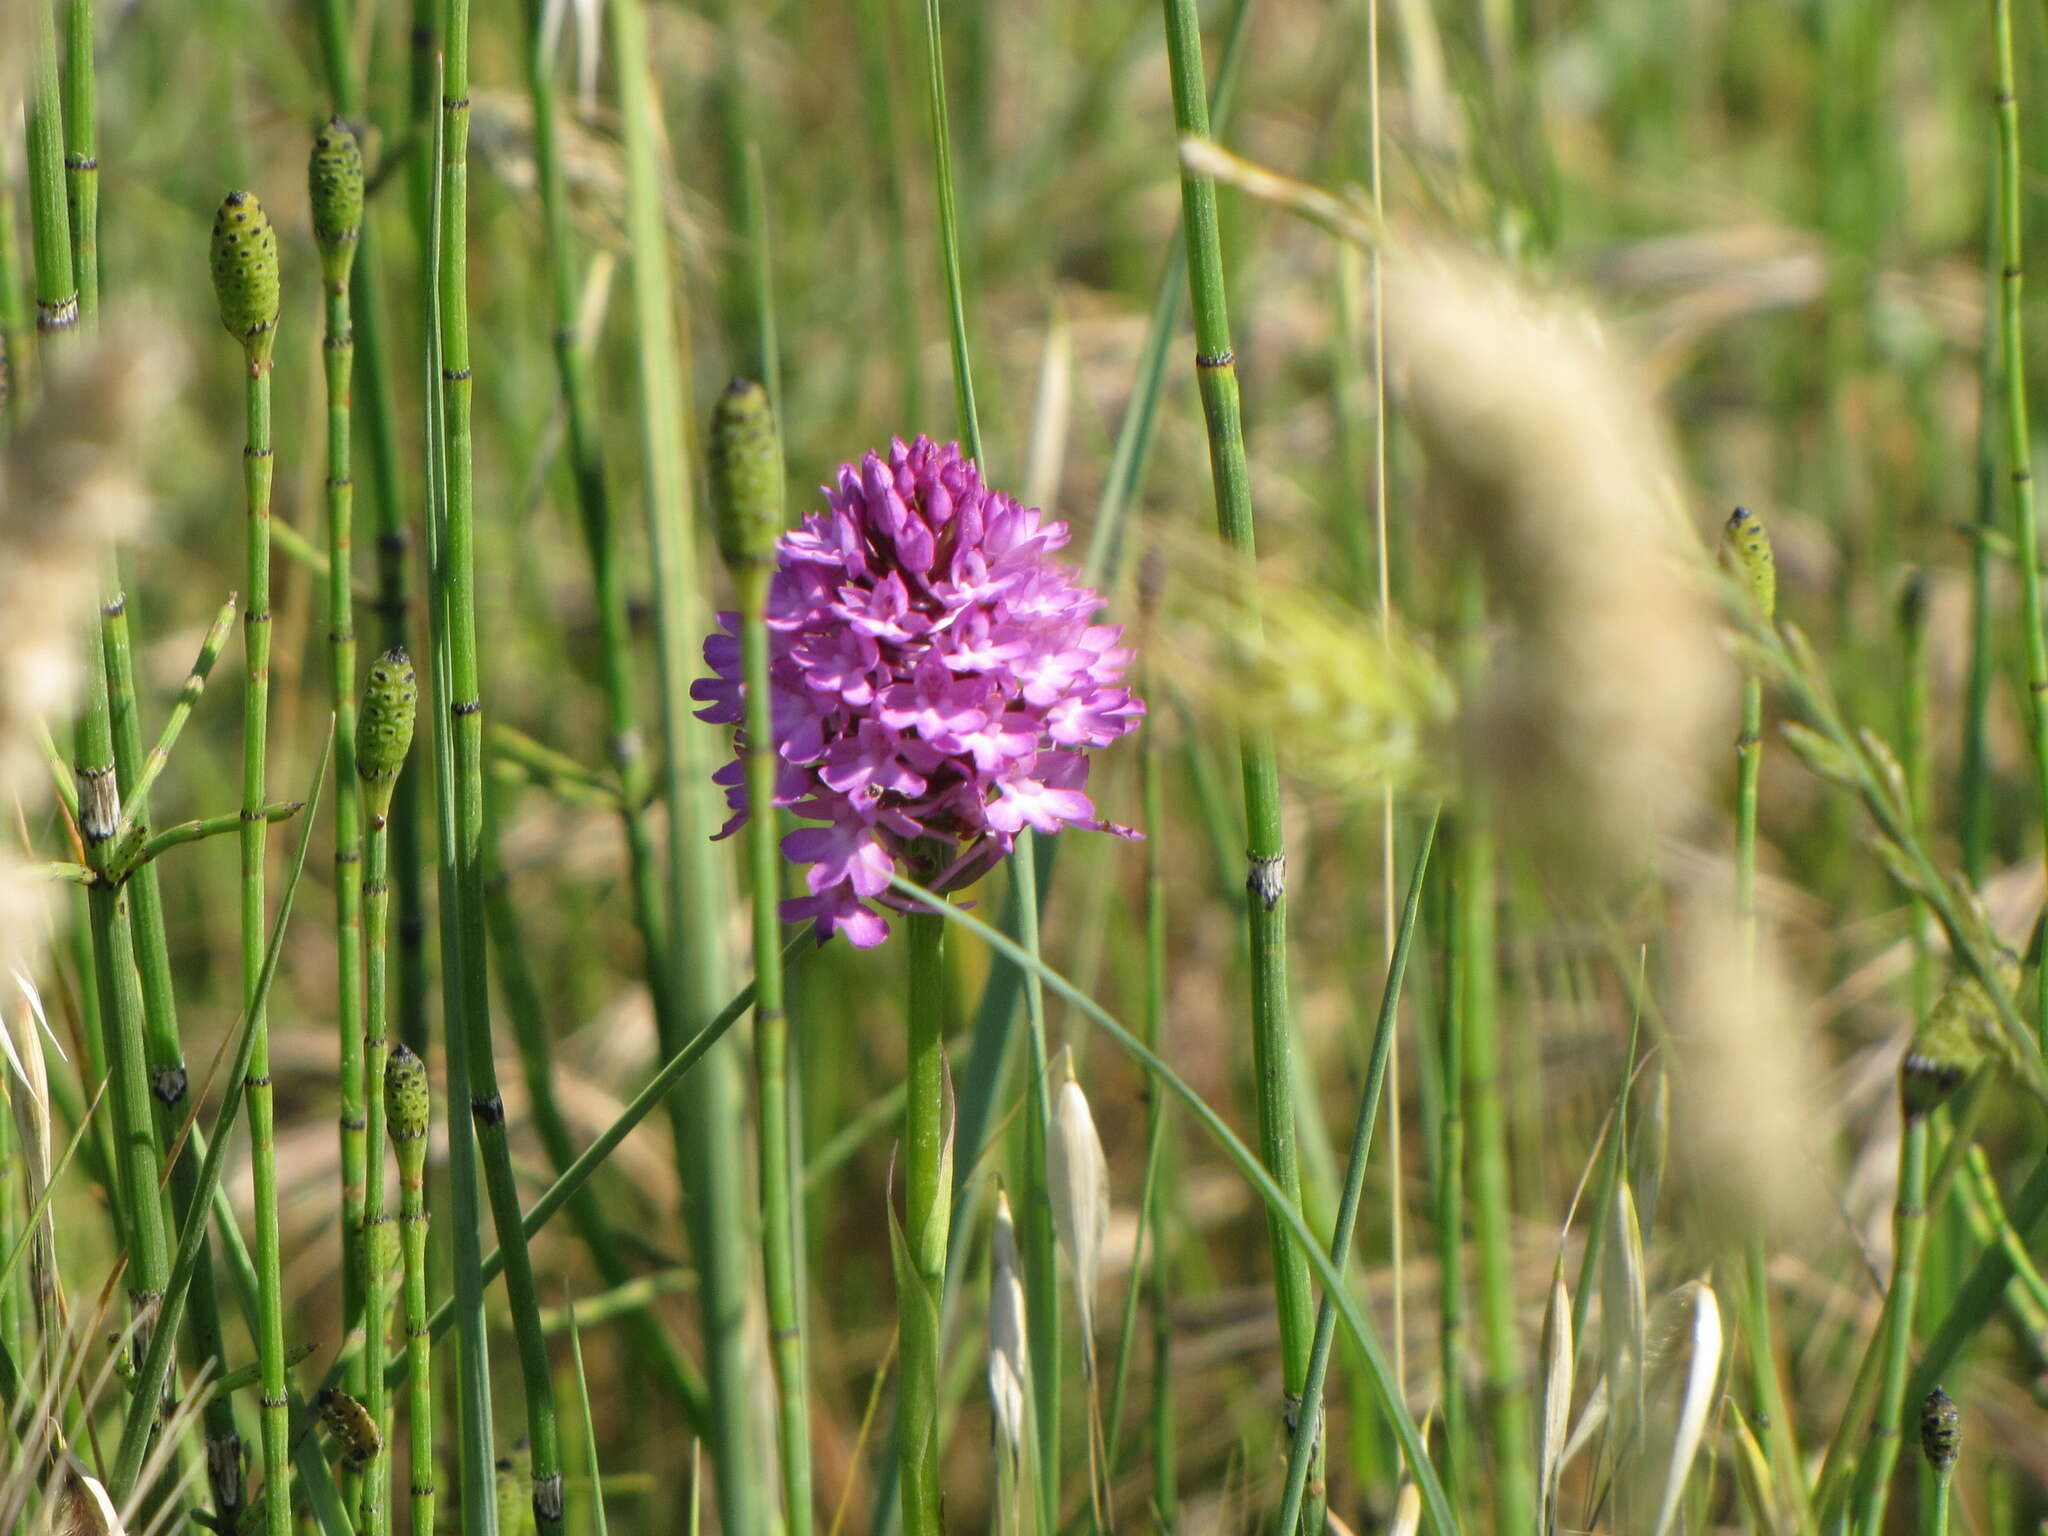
{"x":334,"y":182}
{"x":245,"y":274}
{"x":939,"y":682}
{"x":384,"y":727}
{"x":746,"y":475}
{"x":1601,"y":711}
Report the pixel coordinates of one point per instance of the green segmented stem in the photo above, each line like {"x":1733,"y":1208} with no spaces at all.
{"x":1266,"y":862}
{"x":49,"y":217}
{"x":464,"y":702}
{"x":245,"y":278}
{"x":157,"y":843}
{"x":1909,"y":1233}
{"x":138,"y":1163}
{"x":1308,"y":1423}
{"x":1973,"y":801}
{"x":747,"y":509}
{"x":14,"y":321}
{"x":384,"y":730}
{"x":627,"y":751}
{"x":334,"y":177}
{"x":2018,"y":433}
{"x":707,"y":1115}
{"x":135,"y":789}
{"x":81,"y":156}
{"x":408,"y":1111}
{"x":154,"y":1370}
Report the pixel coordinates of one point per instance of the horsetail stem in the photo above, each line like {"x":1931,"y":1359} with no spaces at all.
{"x":707,"y":1114}
{"x":408,"y":1110}
{"x":160,"y":1014}
{"x":2018,"y":432}
{"x":1266,"y":860}
{"x":1748,"y":544}
{"x":49,"y":218}
{"x":245,"y":281}
{"x":138,"y":1163}
{"x":384,"y":730}
{"x":747,"y":508}
{"x":626,"y":744}
{"x":334,"y":178}
{"x":14,"y":321}
{"x":464,"y":702}
{"x":81,"y":156}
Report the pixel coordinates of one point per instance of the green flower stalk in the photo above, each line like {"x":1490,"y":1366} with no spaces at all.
{"x":408,"y":1109}
{"x":383,"y":736}
{"x":747,"y":507}
{"x":245,"y":281}
{"x":335,"y":185}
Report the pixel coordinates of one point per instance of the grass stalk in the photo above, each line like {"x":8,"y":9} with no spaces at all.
{"x":162,"y":1047}
{"x":748,"y":500}
{"x":1909,"y":1231}
{"x":56,"y":279}
{"x":81,"y":156}
{"x":1266,"y":912}
{"x":927,"y":1196}
{"x":1308,"y":1424}
{"x":706,"y":1116}
{"x":245,"y":274}
{"x":408,"y":1113}
{"x":476,"y":1455}
{"x":138,"y":1162}
{"x":390,"y":711}
{"x":336,"y":182}
{"x":1449,"y":1192}
{"x":2018,"y":433}
{"x":464,"y":704}
{"x":1973,"y":769}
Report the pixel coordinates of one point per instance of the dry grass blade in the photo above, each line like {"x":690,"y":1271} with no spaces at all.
{"x":1703,"y":1371}
{"x":1557,"y":1397}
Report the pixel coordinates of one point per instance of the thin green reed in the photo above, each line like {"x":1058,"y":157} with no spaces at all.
{"x":81,"y":156}
{"x":626,"y":747}
{"x":2018,"y":438}
{"x":1308,"y":1424}
{"x":464,"y":706}
{"x":49,"y":218}
{"x":707,"y":1115}
{"x":1041,"y":1261}
{"x":372,"y":372}
{"x":161,"y":1044}
{"x":1266,"y":861}
{"x":921,"y":1256}
{"x":335,"y":184}
{"x":245,"y":280}
{"x":747,"y":511}
{"x":1749,"y":545}
{"x":475,"y":1450}
{"x":408,"y":1110}
{"x":138,"y":1163}
{"x":385,"y":730}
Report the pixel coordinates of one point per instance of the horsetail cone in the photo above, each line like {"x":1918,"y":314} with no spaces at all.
{"x":1959,"y":1034}
{"x":245,"y":277}
{"x":407,"y":1106}
{"x":1941,"y":1431}
{"x":1749,"y":551}
{"x":746,"y":475}
{"x":334,"y":178}
{"x":384,"y":725}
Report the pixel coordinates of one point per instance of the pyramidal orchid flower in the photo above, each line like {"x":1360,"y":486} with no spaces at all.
{"x":939,"y":683}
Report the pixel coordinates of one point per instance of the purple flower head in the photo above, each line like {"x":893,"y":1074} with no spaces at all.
{"x":938,"y":683}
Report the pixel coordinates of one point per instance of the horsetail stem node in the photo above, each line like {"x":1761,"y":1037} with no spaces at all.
{"x":384,"y":726}
{"x":334,"y":180}
{"x":245,"y":279}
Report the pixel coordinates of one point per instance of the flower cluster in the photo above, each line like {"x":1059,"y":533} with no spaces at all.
{"x":937,"y":682}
